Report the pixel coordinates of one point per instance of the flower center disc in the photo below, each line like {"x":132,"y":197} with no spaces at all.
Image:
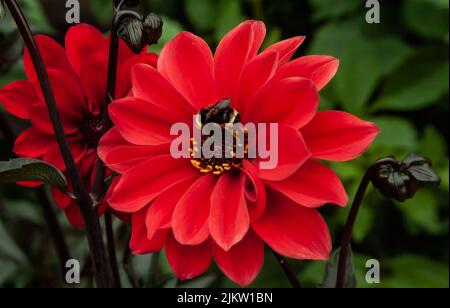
{"x":222,"y":114}
{"x":91,"y":129}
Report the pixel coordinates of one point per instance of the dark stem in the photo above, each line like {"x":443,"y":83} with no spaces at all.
{"x":351,"y":220}
{"x":83,"y":198}
{"x":7,"y":131}
{"x":98,"y":189}
{"x":54,"y":228}
{"x":288,"y":271}
{"x":112,"y":249}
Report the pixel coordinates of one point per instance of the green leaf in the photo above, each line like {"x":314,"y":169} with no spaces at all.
{"x":273,"y":37}
{"x":434,"y":146}
{"x":8,"y":248}
{"x":101,"y":9}
{"x":229,"y":17}
{"x":331,"y":271}
{"x":427,"y":18}
{"x":396,"y":134}
{"x":421,"y":82}
{"x":360,"y":69}
{"x":201,"y":13}
{"x":359,"y":75}
{"x":328,"y":9}
{"x":31,"y":170}
{"x":366,"y":220}
{"x":8,"y":271}
{"x":422,"y":213}
{"x":410,"y":271}
{"x":36,"y":16}
{"x":391,"y":52}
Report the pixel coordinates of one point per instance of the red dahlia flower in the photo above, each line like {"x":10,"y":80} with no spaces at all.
{"x":78,"y":78}
{"x":229,"y":215}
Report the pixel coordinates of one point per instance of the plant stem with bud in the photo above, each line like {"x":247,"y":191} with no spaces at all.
{"x":83,"y":198}
{"x":351,"y":220}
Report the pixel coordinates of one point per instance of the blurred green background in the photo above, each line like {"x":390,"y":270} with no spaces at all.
{"x":394,"y":73}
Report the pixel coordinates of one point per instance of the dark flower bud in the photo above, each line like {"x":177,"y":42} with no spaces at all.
{"x":402,"y":180}
{"x":153,"y":26}
{"x":131,"y":31}
{"x":138,"y":32}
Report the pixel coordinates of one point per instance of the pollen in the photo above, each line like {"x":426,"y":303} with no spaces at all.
{"x":222,"y":114}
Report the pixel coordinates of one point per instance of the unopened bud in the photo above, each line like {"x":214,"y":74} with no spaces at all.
{"x":402,"y":180}
{"x":153,"y":26}
{"x":131,"y":31}
{"x":138,"y":32}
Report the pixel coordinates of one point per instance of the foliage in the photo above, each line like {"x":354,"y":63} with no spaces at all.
{"x":394,"y":73}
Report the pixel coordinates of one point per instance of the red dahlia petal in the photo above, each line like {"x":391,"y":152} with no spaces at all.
{"x":313,"y":185}
{"x":62,"y":200}
{"x":255,"y":191}
{"x":124,"y":72}
{"x":39,"y":117}
{"x":140,"y":244}
{"x":81,"y":42}
{"x":292,"y":101}
{"x":292,"y":230}
{"x":161,"y":210}
{"x":54,"y":157}
{"x":74,"y":216}
{"x":141,"y":122}
{"x":194,"y":78}
{"x":244,"y":261}
{"x":286,"y":48}
{"x":238,"y":47}
{"x":93,"y":76}
{"x":320,"y":69}
{"x":120,"y":155}
{"x":18,"y":97}
{"x":191,"y":216}
{"x":69,"y":98}
{"x":188,"y":262}
{"x":254,"y":76}
{"x":229,"y":219}
{"x":150,"y":85}
{"x":338,"y":136}
{"x":53,"y":55}
{"x":32,"y":143}
{"x":292,"y":153}
{"x":143,"y":183}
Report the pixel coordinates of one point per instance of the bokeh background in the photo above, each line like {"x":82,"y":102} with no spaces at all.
{"x":394,"y":74}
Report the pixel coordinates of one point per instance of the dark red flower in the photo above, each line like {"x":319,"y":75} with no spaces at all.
{"x":78,"y":77}
{"x":198,"y":216}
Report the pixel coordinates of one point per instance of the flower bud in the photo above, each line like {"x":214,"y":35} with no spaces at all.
{"x":153,"y":26}
{"x":131,"y":31}
{"x":402,"y":180}
{"x":138,"y":32}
